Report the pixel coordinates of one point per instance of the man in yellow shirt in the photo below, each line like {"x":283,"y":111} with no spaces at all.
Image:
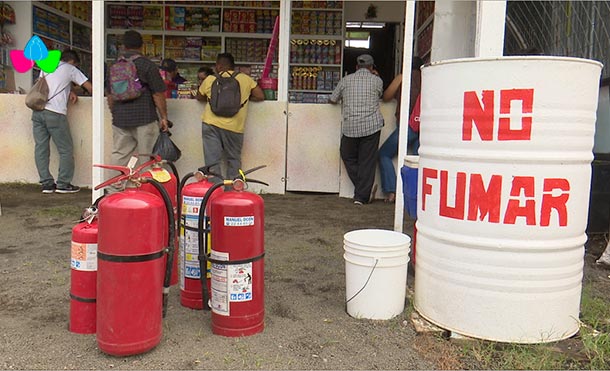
{"x":225,"y":135}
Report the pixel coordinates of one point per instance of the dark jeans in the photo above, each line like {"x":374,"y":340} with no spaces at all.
{"x":359,"y":156}
{"x":387,"y":152}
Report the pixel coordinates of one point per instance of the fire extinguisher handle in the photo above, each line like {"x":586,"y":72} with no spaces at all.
{"x":125,"y":174}
{"x":152,"y":160}
{"x":126,"y":171}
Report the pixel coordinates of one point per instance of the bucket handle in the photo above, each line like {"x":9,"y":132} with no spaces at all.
{"x":366,"y":283}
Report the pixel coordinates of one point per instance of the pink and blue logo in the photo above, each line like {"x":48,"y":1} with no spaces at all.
{"x":35,"y":52}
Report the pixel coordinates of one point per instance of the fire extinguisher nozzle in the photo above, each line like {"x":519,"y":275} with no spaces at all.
{"x":165,"y":301}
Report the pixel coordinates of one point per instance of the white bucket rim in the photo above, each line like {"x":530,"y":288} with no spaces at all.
{"x":376,"y":251}
{"x":390,"y":262}
{"x":515,"y":58}
{"x":363,"y":237}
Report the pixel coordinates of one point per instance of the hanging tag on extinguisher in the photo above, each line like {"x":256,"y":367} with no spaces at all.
{"x":132,"y":162}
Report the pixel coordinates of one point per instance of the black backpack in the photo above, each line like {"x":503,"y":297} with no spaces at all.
{"x":226,"y":96}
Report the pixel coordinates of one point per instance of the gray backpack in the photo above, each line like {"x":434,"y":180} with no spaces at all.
{"x":226,"y":96}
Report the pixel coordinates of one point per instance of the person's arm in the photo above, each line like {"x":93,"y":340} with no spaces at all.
{"x":201,"y":91}
{"x":200,"y":97}
{"x":336,"y":94}
{"x":415,"y":88}
{"x":391,"y":90}
{"x":161,"y":104}
{"x":88,"y":86}
{"x":257,"y":94}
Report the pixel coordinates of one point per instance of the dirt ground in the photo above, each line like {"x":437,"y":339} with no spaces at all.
{"x":306,"y":324}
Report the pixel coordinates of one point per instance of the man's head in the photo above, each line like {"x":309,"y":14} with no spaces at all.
{"x":365,"y":61}
{"x":225,"y":62}
{"x":204,"y":72}
{"x":70,"y":56}
{"x":169,"y":65}
{"x":132,"y":40}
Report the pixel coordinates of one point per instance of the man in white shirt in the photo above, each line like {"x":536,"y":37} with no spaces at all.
{"x":52,"y":123}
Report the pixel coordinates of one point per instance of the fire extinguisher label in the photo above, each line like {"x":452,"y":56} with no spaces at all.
{"x":239,"y":221}
{"x":83,"y":256}
{"x":189,"y":260}
{"x":230,"y":283}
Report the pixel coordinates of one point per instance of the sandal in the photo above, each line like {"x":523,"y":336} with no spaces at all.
{"x":390,"y":198}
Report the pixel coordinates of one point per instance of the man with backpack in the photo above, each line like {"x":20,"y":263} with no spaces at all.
{"x":228,"y":93}
{"x":136,"y":98}
{"x":52,"y":123}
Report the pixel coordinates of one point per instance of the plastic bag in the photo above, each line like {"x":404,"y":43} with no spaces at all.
{"x":166,"y":148}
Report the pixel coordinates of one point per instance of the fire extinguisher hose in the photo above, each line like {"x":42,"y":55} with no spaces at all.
{"x":203,"y":258}
{"x":170,"y":241}
{"x":175,"y":171}
{"x":179,"y":195}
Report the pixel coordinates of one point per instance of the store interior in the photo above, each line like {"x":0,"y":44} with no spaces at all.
{"x":194,"y":32}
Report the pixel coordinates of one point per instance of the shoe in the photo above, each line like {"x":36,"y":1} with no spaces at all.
{"x":373,"y":192}
{"x":48,"y":188}
{"x":359,"y":203}
{"x":68,"y":189}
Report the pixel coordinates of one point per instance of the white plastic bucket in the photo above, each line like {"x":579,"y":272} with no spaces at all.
{"x":375,"y":273}
{"x":503,"y":189}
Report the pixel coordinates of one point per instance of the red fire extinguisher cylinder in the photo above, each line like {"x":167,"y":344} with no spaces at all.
{"x":131,"y":272}
{"x":238,"y":274}
{"x":83,"y":277}
{"x":191,"y":196}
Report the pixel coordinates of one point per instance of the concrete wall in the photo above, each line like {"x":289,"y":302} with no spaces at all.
{"x":311,"y":151}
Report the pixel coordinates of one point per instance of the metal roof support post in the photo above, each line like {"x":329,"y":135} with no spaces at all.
{"x":98,"y":45}
{"x":404,"y":113}
{"x":489,"y":36}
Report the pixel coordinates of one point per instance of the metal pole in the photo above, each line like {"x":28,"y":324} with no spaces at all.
{"x":98,"y":46}
{"x":407,"y":56}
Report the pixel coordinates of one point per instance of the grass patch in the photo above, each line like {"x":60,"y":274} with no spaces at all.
{"x":61,"y":212}
{"x":590,"y":349}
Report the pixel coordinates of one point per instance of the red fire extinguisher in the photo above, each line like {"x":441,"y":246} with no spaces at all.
{"x":237,"y":257}
{"x":169,"y":180}
{"x":83,"y":274}
{"x":191,"y":196}
{"x":133,"y":274}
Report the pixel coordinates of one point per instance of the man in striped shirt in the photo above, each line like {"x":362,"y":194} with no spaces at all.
{"x":359,"y":93}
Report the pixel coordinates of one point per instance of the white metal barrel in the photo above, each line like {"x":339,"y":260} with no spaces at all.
{"x":503,"y":191}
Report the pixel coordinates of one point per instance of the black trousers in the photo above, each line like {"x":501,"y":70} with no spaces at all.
{"x":359,"y":156}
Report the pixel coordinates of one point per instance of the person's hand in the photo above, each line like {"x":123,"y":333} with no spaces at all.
{"x":164,"y":124}
{"x":73,"y":98}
